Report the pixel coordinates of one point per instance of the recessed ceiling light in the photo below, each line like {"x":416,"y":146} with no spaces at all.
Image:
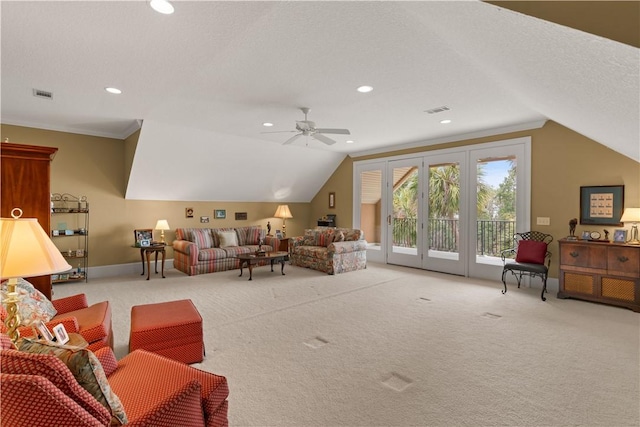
{"x":349,"y":141}
{"x":444,"y":122}
{"x":113,"y":90}
{"x":365,"y":89}
{"x":161,"y":6}
{"x":267,"y":124}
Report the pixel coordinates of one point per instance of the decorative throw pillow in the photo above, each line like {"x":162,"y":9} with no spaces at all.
{"x":228,"y":239}
{"x":33,"y":305}
{"x":338,"y":237}
{"x":531,"y":252}
{"x":248,"y":235}
{"x":324,"y":238}
{"x":86,"y":369}
{"x":202,"y":238}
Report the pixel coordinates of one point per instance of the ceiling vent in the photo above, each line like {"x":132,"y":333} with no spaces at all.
{"x":39,"y":93}
{"x":438,"y":110}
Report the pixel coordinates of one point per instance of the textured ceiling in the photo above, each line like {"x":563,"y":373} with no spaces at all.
{"x":203,"y":80}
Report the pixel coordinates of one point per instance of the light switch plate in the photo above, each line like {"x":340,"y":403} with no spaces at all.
{"x":543,"y":220}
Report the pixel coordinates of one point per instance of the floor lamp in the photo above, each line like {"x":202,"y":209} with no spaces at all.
{"x":26,"y":251}
{"x":284,"y":213}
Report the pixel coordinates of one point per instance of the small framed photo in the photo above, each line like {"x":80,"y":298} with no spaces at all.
{"x":61,"y":334}
{"x":44,"y":332}
{"x":332,"y":200}
{"x":586,"y":235}
{"x":55,"y":232}
{"x":143,"y":234}
{"x":279,"y":234}
{"x":220,"y":214}
{"x":69,"y":232}
{"x":204,"y":219}
{"x":145,"y":243}
{"x":620,"y":236}
{"x":188,"y":212}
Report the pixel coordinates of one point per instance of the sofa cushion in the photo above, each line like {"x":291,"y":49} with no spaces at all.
{"x":86,"y":369}
{"x":211,"y":254}
{"x":248,"y":235}
{"x":94,"y":321}
{"x":316,"y":252}
{"x":202,"y":238}
{"x":338,"y":237}
{"x":33,"y":305}
{"x":228,"y":238}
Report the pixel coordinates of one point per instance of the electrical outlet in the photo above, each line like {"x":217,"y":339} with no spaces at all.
{"x":543,"y":220}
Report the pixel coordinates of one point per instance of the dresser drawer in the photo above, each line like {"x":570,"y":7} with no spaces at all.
{"x":624,"y":261}
{"x":580,"y":255}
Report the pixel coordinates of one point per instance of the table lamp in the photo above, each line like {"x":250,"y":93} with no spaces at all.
{"x":26,"y":251}
{"x":162,"y":225}
{"x":284,"y":213}
{"x":632,"y":215}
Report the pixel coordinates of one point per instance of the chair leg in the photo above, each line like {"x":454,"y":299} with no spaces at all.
{"x":504,"y":282}
{"x":544,"y":287}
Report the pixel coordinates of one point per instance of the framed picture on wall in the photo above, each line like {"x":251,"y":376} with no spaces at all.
{"x":601,"y":205}
{"x":220,"y":214}
{"x":332,"y":200}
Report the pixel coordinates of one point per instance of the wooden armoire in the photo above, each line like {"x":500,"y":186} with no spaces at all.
{"x":26,"y":184}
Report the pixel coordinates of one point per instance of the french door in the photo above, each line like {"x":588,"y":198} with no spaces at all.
{"x":452,"y":211}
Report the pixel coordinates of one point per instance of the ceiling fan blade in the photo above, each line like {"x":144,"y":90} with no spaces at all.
{"x":334,"y":131}
{"x":323,"y":138}
{"x":280,"y":131}
{"x":292,"y":139}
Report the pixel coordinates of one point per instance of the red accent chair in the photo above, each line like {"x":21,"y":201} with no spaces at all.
{"x":92,"y":322}
{"x":39,"y":389}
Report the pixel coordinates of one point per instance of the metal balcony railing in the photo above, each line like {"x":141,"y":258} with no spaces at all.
{"x":493,"y":235}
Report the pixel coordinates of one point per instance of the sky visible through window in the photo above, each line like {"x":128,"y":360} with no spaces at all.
{"x":495,"y":172}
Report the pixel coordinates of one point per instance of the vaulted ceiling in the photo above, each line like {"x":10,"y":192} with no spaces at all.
{"x":201,"y":82}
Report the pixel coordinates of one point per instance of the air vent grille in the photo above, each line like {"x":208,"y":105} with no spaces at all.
{"x":39,"y":93}
{"x":438,"y":110}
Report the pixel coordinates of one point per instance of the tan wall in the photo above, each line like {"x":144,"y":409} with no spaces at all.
{"x":562,"y":161}
{"x":96,"y":167}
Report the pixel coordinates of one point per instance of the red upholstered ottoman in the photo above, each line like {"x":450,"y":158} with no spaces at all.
{"x":172,"y":329}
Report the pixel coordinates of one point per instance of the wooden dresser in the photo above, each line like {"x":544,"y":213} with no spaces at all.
{"x":602,"y":272}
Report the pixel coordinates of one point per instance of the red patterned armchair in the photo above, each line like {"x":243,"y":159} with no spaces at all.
{"x":40,"y":390}
{"x":92,"y":322}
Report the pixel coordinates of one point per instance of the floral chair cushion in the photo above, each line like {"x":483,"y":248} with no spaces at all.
{"x":33,"y":305}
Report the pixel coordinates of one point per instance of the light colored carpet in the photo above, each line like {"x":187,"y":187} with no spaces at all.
{"x":393,"y":346}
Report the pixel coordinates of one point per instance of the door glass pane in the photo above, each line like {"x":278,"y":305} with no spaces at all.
{"x":444,"y":210}
{"x":405,"y":209}
{"x":371,"y":207}
{"x":496,"y":190}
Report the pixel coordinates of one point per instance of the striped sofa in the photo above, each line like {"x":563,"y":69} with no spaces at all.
{"x":198,"y":250}
{"x":330,"y":250}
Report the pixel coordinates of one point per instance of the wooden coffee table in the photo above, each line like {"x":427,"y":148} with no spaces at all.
{"x":252,"y":259}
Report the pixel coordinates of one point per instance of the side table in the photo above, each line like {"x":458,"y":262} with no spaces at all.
{"x":148,"y":250}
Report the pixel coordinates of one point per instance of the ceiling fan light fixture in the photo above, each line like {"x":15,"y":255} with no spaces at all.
{"x":365,"y":89}
{"x":162,"y":6}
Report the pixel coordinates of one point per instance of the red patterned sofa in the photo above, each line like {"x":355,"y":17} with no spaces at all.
{"x":201,"y":250}
{"x":41,"y":390}
{"x":330,"y":250}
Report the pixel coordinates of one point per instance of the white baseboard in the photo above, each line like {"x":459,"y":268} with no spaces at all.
{"x":121,"y":269}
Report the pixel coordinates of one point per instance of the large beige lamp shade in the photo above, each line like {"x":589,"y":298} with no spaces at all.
{"x":25,"y":251}
{"x":284,"y":213}
{"x":632,"y":215}
{"x":162,"y":225}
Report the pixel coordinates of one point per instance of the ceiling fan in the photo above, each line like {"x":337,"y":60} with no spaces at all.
{"x":308,"y":128}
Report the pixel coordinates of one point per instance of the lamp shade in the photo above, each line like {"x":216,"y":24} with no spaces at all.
{"x":283,"y":212}
{"x":162,"y":224}
{"x":631,"y":215}
{"x":26,"y":250}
